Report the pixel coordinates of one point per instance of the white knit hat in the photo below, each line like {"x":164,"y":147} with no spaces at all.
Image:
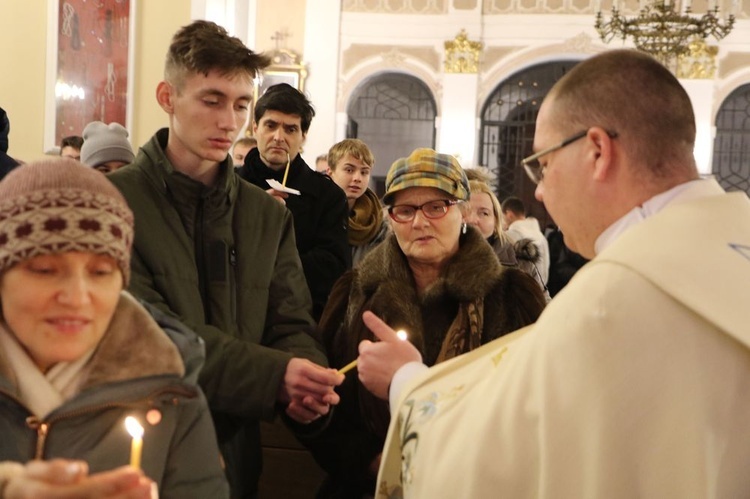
{"x":103,"y":143}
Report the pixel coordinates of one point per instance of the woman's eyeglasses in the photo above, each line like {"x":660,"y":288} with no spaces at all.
{"x":403,"y":213}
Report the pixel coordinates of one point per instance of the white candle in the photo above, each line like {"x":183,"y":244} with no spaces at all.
{"x":136,"y":447}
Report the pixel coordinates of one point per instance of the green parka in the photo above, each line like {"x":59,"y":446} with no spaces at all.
{"x":223,"y":260}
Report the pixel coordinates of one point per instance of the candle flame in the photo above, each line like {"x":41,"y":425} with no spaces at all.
{"x":134,"y":427}
{"x":402,"y":335}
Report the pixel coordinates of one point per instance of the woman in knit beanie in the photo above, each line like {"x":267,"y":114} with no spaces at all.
{"x":78,"y":354}
{"x":106,"y":147}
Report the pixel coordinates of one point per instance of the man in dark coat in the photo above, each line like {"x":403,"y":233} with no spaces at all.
{"x":281,"y":121}
{"x":6,"y":162}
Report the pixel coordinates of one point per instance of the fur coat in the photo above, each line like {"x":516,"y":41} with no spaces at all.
{"x":384,"y":284}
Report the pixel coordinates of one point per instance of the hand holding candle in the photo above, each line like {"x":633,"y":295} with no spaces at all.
{"x":286,"y":171}
{"x":379,"y":360}
{"x":136,"y":448}
{"x":401,"y":334}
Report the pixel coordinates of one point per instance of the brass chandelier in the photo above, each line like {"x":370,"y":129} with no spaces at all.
{"x":664,"y":28}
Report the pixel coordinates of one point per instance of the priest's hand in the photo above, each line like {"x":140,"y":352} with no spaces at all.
{"x":379,"y":361}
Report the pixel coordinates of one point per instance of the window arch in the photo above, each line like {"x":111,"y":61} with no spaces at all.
{"x":731,"y":161}
{"x":393,"y":113}
{"x":507,"y":130}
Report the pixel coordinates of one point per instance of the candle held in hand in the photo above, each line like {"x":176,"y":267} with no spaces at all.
{"x":351,"y":365}
{"x":286,"y":172}
{"x":136,"y":447}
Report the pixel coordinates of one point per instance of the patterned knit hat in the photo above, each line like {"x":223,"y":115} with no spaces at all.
{"x":427,"y":168}
{"x":56,"y":206}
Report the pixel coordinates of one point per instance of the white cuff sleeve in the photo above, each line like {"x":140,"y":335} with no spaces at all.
{"x":405,"y":373}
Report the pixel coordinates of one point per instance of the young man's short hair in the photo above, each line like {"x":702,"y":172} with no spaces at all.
{"x":74,"y":141}
{"x":204,"y":46}
{"x":286,"y":99}
{"x":514,"y":205}
{"x":354,"y":147}
{"x":247,"y":141}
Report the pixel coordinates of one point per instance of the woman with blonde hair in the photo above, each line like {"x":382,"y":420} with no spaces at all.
{"x":484,"y":213}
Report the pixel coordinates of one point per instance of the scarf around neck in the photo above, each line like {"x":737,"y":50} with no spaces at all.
{"x":41,"y":392}
{"x":365,"y":219}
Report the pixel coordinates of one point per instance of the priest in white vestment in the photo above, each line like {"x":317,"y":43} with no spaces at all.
{"x":635,"y":381}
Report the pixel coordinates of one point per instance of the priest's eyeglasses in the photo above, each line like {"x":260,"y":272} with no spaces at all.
{"x":403,"y":213}
{"x":534,"y":168}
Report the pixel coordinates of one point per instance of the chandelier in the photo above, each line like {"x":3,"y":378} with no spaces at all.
{"x":664,"y":28}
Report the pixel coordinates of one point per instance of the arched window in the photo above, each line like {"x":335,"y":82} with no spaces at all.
{"x":393,"y":113}
{"x":507,"y":130}
{"x":731,"y":164}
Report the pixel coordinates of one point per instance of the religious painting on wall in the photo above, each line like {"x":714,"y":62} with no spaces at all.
{"x":91,"y":65}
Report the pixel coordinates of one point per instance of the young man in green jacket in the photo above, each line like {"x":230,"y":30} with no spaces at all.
{"x":220,"y":254}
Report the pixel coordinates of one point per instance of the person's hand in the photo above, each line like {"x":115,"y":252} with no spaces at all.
{"x":308,"y":389}
{"x":378,"y":361}
{"x":65,"y":479}
{"x":279,"y":196}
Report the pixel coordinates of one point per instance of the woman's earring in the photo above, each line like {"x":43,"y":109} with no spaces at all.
{"x":463,"y":228}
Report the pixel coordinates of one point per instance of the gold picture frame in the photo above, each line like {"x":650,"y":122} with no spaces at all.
{"x":285,"y":67}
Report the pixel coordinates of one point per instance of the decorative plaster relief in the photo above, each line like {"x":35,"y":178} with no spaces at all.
{"x":394,"y":55}
{"x":627,"y":7}
{"x":464,"y":4}
{"x":396,"y":6}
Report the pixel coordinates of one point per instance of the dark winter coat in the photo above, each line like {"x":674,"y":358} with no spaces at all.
{"x":321,"y":216}
{"x":136,"y":369}
{"x":223,"y":260}
{"x":383,"y":283}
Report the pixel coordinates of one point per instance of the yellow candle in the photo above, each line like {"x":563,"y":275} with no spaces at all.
{"x":351,"y":365}
{"x":136,"y":447}
{"x":286,"y":172}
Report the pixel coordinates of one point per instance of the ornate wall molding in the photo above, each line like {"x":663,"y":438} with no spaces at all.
{"x":396,"y":6}
{"x":356,"y":53}
{"x":580,"y":47}
{"x":382,"y":63}
{"x":462,"y":54}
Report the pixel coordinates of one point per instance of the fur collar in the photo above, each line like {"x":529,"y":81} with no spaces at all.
{"x":134,"y":346}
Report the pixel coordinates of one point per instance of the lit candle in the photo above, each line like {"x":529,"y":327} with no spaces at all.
{"x":136,"y":447}
{"x":351,"y":365}
{"x":286,"y":172}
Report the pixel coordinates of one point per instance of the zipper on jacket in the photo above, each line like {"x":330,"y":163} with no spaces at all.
{"x":42,"y":427}
{"x":232,"y":283}
{"x":200,"y":260}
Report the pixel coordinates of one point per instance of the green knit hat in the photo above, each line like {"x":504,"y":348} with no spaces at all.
{"x":427,"y":168}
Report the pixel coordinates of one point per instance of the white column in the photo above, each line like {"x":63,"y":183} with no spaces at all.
{"x":701,"y":94}
{"x":321,"y":55}
{"x":457,"y":128}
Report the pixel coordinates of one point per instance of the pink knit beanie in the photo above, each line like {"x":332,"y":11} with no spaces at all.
{"x":59,"y":205}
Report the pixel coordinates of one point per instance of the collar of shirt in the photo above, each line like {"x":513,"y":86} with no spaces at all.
{"x":683,"y":192}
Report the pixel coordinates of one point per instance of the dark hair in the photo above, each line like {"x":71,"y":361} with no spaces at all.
{"x":74,"y":141}
{"x":4,"y":130}
{"x":203,"y":46}
{"x":288,"y":100}
{"x":513,"y":205}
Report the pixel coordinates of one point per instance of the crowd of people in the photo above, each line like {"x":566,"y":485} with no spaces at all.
{"x":210,"y":281}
